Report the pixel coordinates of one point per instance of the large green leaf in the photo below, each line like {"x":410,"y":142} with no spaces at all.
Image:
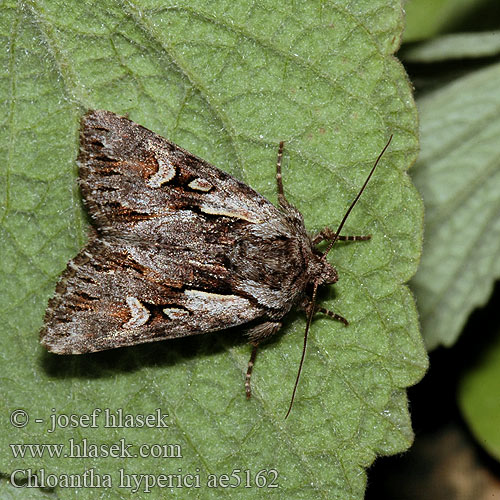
{"x":458,"y":175}
{"x":226,"y":80}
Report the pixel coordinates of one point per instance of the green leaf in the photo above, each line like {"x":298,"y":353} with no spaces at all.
{"x":477,"y":397}
{"x":455,"y":46}
{"x":428,"y":18}
{"x":227,"y":81}
{"x":458,"y":175}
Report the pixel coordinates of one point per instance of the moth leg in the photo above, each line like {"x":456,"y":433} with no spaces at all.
{"x":279,"y":180}
{"x":333,"y":315}
{"x":251,"y":362}
{"x":306,"y":305}
{"x":257,"y":334}
{"x":328,"y":234}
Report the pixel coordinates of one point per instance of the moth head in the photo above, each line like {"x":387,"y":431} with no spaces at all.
{"x":327,"y":274}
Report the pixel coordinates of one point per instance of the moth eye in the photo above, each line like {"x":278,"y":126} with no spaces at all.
{"x":139,"y":313}
{"x":166,"y":172}
{"x":200,"y":184}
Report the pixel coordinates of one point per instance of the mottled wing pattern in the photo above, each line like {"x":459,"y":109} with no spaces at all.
{"x":177,"y":248}
{"x":105,"y":300}
{"x":129,"y":174}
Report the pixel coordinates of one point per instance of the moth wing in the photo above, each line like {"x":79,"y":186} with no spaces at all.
{"x":130,"y":174}
{"x":181,"y":247}
{"x":101,"y":302}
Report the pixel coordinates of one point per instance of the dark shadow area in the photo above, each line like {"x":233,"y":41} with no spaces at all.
{"x":485,"y":17}
{"x":444,"y":449}
{"x":426,"y":77}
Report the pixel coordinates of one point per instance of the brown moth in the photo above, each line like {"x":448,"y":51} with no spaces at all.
{"x":180,"y":248}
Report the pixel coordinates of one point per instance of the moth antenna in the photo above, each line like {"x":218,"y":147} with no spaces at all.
{"x":315,"y":289}
{"x":341,"y":225}
{"x":308,"y":325}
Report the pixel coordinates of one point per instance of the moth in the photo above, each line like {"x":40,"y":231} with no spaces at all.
{"x":180,"y":248}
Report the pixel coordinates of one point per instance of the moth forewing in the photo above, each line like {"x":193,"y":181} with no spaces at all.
{"x":179,"y":248}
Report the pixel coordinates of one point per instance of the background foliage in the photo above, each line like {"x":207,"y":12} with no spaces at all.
{"x":455,"y":72}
